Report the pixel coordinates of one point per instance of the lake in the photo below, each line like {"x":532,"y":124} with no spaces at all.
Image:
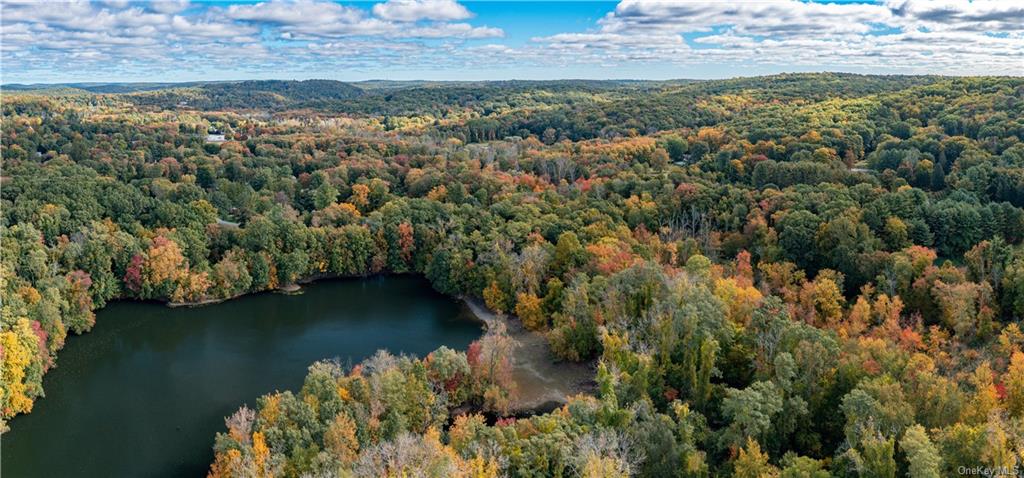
{"x":145,"y":392}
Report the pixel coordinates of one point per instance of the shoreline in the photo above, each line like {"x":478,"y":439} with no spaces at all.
{"x":543,"y":382}
{"x":294,"y":288}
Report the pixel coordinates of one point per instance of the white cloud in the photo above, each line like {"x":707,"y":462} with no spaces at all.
{"x":976,"y":16}
{"x":415,"y":10}
{"x":899,"y":35}
{"x":60,"y":39}
{"x":296,"y":13}
{"x":172,"y":6}
{"x":150,"y":38}
{"x":451,"y":30}
{"x":312,"y":19}
{"x":766,"y":17}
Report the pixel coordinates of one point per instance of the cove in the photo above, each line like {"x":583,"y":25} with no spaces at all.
{"x":145,"y":392}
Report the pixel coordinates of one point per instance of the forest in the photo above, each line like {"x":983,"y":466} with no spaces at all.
{"x":799,"y":275}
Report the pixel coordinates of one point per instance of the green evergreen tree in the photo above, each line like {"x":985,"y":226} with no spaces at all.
{"x":938,"y":176}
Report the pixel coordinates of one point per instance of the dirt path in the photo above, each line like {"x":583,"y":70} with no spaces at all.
{"x":543,"y":382}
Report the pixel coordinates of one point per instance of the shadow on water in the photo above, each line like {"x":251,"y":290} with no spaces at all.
{"x":144,"y":393}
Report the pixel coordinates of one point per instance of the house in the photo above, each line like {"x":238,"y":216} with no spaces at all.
{"x":215,"y":136}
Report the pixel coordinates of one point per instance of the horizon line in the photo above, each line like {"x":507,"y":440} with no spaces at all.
{"x":382,"y":80}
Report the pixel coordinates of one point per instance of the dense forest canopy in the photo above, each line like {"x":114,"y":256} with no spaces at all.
{"x":803,"y":275}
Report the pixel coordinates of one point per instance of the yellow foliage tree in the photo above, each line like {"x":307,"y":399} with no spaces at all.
{"x":858,"y":319}
{"x":192,"y":287}
{"x":1014,"y":382}
{"x":438,"y":193}
{"x":753,"y":463}
{"x":597,"y":466}
{"x":821,"y":301}
{"x":227,"y":465}
{"x":528,"y":308}
{"x":986,"y":396}
{"x":740,"y":301}
{"x":494,"y":298}
{"x":340,"y":438}
{"x":166,"y":263}
{"x":480,"y":467}
{"x":261,"y":453}
{"x":360,"y":197}
{"x":16,"y":349}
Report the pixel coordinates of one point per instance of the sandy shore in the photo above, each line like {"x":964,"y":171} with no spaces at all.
{"x":543,"y":382}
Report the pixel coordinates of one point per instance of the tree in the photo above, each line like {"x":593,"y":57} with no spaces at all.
{"x":569,"y":253}
{"x":842,"y":242}
{"x":966,"y":307}
{"x":922,"y":456}
{"x":192,"y":287}
{"x":528,"y":308}
{"x":164,"y":266}
{"x":938,"y":181}
{"x":987,"y":260}
{"x":574,"y":335}
{"x":752,"y":463}
{"x":494,"y":298}
{"x":490,"y":362}
{"x":231,"y":276}
{"x":449,"y":370}
{"x":797,"y":231}
{"x":337,"y":214}
{"x":340,"y":439}
{"x":360,"y":197}
{"x":895,"y":234}
{"x":698,"y":267}
{"x":802,"y":467}
{"x":740,"y":301}
{"x":549,"y":136}
{"x":406,"y":242}
{"x":1014,"y":383}
{"x":1013,"y":287}
{"x":79,"y":316}
{"x":676,"y":148}
{"x":821,"y":301}
{"x":878,"y":460}
{"x":985,"y":398}
{"x":592,"y":238}
{"x":325,"y":194}
{"x":876,"y":407}
{"x":18,"y":346}
{"x":750,"y":412}
{"x":291,"y":266}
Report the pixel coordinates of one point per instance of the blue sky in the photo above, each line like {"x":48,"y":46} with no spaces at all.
{"x":123,"y":40}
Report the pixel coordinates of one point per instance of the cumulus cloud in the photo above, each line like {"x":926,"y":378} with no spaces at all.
{"x":415,"y":10}
{"x":975,"y":16}
{"x":897,"y":35}
{"x":173,"y":6}
{"x":770,"y":17}
{"x":55,"y":39}
{"x":311,"y":19}
{"x":295,"y":13}
{"x":58,"y":40}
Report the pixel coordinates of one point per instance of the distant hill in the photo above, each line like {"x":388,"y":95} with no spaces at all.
{"x":806,"y":86}
{"x":99,"y":87}
{"x":623,"y":101}
{"x":255,"y":94}
{"x":296,"y":91}
{"x":250,"y":94}
{"x":369,"y":97}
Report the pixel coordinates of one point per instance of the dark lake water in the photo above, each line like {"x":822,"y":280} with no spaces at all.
{"x":145,"y":392}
